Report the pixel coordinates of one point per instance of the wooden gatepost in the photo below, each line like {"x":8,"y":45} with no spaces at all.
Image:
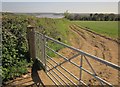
{"x":36,"y":44}
{"x":31,"y":41}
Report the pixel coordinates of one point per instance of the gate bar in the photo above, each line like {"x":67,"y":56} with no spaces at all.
{"x":54,"y":76}
{"x":56,"y":73}
{"x":68,"y":71}
{"x":82,"y":69}
{"x":87,"y":54}
{"x":61,"y":72}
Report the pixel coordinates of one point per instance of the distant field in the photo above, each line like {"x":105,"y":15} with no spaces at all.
{"x":108,"y":28}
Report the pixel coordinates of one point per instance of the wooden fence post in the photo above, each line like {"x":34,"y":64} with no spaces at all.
{"x":31,"y":41}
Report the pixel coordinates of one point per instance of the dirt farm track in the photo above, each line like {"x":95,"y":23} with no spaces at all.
{"x":90,"y":43}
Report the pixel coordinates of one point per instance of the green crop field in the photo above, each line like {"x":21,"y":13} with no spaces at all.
{"x":107,"y":28}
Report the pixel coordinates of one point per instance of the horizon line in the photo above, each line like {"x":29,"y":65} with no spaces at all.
{"x":63,"y":12}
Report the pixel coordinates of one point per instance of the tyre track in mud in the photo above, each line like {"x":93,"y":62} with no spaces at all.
{"x":96,"y":41}
{"x":109,"y":38}
{"x":93,"y":42}
{"x":99,"y":46}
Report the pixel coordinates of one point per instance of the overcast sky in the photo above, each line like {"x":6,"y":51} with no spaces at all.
{"x":72,"y":6}
{"x":60,"y":0}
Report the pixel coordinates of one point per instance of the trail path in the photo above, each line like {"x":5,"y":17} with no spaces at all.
{"x":98,"y":46}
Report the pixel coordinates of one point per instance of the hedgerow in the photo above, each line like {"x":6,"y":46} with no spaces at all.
{"x":14,"y":46}
{"x":15,"y":54}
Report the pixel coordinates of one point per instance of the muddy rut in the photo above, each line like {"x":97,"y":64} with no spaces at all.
{"x":95,"y":45}
{"x":99,"y":46}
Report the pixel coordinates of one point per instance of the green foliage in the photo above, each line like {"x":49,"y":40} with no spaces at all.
{"x":66,"y":14}
{"x":14,"y":49}
{"x":18,"y":69}
{"x":93,"y":17}
{"x":55,"y":47}
{"x":55,"y":28}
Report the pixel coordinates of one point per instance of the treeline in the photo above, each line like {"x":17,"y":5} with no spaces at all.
{"x":93,"y":17}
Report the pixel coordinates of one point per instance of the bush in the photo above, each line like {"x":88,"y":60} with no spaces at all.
{"x":14,"y":49}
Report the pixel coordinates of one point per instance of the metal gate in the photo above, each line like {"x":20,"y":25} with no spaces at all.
{"x":53,"y":68}
{"x":56,"y":70}
{"x":40,"y":49}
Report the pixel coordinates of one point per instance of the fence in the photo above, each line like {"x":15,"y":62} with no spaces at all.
{"x":56,"y":69}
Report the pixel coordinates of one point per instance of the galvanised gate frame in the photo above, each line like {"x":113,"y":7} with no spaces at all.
{"x":41,"y":54}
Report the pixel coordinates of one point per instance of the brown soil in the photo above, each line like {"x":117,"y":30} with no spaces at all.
{"x":100,"y":47}
{"x":87,"y":42}
{"x":96,"y":45}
